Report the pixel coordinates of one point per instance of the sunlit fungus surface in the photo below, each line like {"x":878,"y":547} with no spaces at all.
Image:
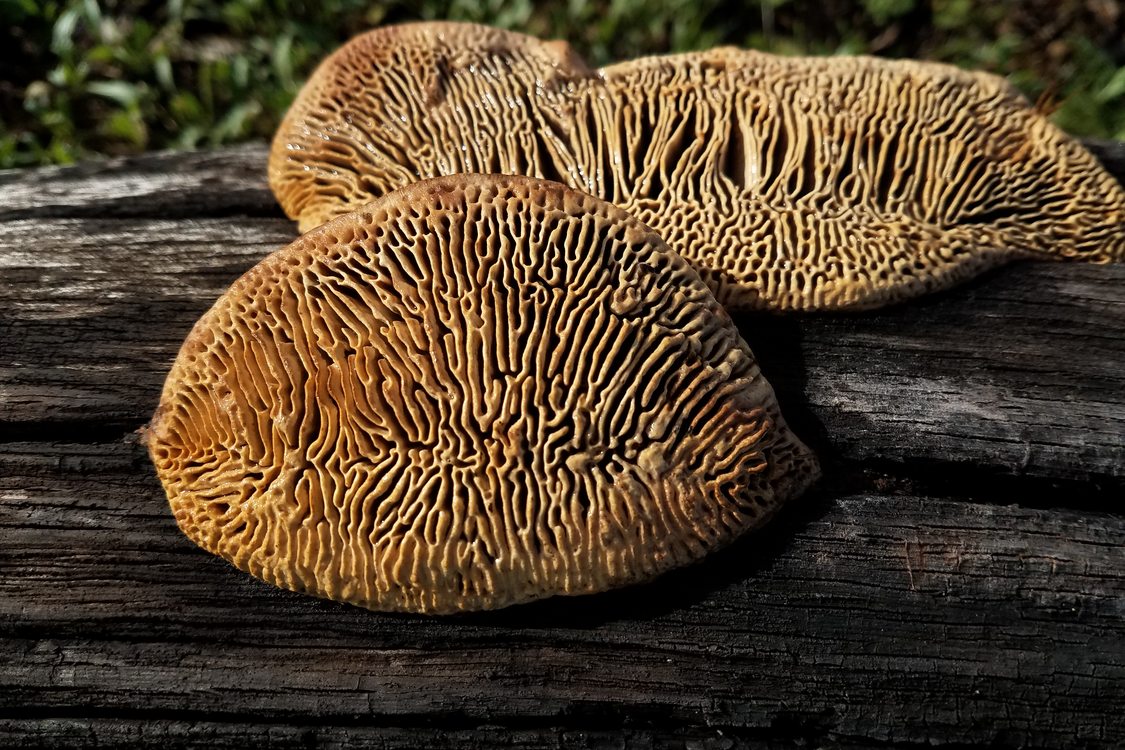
{"x":472,"y":392}
{"x":789,"y":183}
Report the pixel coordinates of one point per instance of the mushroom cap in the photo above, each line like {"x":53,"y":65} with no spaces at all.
{"x":789,"y":183}
{"x":473,"y":392}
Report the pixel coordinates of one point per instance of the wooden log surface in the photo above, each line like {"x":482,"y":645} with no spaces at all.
{"x":957,"y":578}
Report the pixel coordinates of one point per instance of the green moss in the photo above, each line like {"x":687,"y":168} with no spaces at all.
{"x":88,"y":77}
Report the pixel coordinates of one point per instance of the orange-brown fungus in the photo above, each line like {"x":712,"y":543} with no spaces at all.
{"x":789,"y":183}
{"x":474,"y":392}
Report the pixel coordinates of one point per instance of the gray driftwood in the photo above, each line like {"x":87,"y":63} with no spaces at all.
{"x":956,"y":580}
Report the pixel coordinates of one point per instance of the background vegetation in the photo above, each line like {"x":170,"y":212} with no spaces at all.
{"x":85,"y":77}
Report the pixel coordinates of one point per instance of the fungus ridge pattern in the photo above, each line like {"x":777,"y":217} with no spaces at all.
{"x":790,"y":183}
{"x":841,"y":182}
{"x":418,"y":101}
{"x":475,"y":392}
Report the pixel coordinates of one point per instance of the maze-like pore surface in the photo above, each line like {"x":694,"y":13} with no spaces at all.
{"x":474,"y":392}
{"x":789,"y":183}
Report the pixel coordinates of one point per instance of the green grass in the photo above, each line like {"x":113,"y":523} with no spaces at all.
{"x":80,"y":78}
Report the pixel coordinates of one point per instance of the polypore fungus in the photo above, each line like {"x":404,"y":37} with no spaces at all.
{"x":789,"y":183}
{"x":474,"y":392}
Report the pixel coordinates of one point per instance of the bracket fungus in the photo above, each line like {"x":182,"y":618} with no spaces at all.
{"x":789,"y":183}
{"x":473,"y":392}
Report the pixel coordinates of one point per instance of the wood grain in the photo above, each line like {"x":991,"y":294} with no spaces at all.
{"x":218,"y":735}
{"x":169,"y":185}
{"x":955,"y":581}
{"x":856,"y":616}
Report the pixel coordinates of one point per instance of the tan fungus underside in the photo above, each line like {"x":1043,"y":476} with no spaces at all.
{"x":789,"y":183}
{"x":474,"y":392}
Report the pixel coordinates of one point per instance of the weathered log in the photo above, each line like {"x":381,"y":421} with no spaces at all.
{"x":218,"y":735}
{"x":956,"y":578}
{"x":879,"y":617}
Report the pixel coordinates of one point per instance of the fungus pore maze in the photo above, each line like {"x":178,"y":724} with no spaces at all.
{"x":789,"y":183}
{"x":474,"y":392}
